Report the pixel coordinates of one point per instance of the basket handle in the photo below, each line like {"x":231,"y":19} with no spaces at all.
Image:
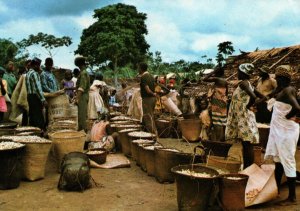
{"x":200,"y":147}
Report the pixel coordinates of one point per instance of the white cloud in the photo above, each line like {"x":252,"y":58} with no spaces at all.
{"x":85,"y":20}
{"x":180,"y":29}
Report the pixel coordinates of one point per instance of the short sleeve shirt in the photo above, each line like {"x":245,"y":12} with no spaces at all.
{"x":147,"y":79}
{"x":83,"y":82}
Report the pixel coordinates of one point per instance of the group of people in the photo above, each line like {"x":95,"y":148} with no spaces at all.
{"x":29,"y":90}
{"x":272,"y":101}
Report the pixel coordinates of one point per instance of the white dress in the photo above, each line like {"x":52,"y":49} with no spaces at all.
{"x":95,"y":103}
{"x":283,"y":138}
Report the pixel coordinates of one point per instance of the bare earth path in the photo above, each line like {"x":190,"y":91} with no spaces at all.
{"x":121,"y":189}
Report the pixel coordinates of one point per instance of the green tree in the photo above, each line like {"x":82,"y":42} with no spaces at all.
{"x":8,"y":51}
{"x":117,"y":36}
{"x":48,"y":42}
{"x":224,"y":50}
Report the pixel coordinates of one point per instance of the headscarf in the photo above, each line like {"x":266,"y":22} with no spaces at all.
{"x":284,"y":72}
{"x":246,"y":68}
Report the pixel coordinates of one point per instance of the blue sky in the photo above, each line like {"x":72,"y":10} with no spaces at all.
{"x":179,"y":29}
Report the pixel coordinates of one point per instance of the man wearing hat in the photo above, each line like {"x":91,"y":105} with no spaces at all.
{"x":265,"y":85}
{"x":284,"y":133}
{"x":241,"y":123}
{"x":82,"y":87}
{"x":35,"y":96}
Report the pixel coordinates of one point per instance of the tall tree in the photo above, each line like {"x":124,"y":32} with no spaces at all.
{"x":47,"y":41}
{"x":224,"y":50}
{"x":8,"y":51}
{"x":117,"y":36}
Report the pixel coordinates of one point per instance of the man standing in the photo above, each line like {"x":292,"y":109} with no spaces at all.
{"x":35,"y":95}
{"x":82,"y":97}
{"x":10,"y":77}
{"x":49,"y":82}
{"x":148,"y":97}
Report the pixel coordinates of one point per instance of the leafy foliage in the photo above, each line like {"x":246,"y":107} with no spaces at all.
{"x":9,"y":51}
{"x":224,"y":50}
{"x":46,"y":41}
{"x":117,"y":37}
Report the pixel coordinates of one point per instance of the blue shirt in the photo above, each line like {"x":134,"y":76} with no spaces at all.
{"x":112,"y":100}
{"x":49,"y":82}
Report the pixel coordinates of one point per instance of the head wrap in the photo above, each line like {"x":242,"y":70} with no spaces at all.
{"x":283,"y":72}
{"x":263,"y":69}
{"x":246,"y":68}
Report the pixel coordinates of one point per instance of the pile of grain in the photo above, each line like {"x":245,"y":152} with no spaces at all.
{"x":26,"y":139}
{"x":195,"y":174}
{"x":6,"y":145}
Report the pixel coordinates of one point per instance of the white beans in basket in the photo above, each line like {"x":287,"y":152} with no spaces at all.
{"x":195,"y":174}
{"x":5,"y":145}
{"x":26,"y":139}
{"x":128,"y":130}
{"x":95,"y":152}
{"x":141,"y":134}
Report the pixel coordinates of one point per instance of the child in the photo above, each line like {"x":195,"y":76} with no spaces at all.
{"x":3,"y":87}
{"x":205,"y":120}
{"x":112,"y":98}
{"x":68,"y":84}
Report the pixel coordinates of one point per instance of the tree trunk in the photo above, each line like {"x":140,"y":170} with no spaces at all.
{"x":116,"y":72}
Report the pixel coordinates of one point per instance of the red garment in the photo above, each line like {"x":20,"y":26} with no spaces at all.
{"x":3,"y":106}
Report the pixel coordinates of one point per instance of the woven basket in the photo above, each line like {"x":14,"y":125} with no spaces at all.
{"x":190,"y":129}
{"x":34,"y":160}
{"x":233,"y":166}
{"x":124,"y":142}
{"x":65,"y":142}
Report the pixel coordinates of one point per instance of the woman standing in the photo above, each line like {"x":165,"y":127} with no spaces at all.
{"x":241,"y":123}
{"x":218,"y":103}
{"x":284,"y":133}
{"x":96,"y":105}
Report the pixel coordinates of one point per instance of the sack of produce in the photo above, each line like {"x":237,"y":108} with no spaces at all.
{"x":75,"y":172}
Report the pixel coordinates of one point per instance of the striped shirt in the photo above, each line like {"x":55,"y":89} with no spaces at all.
{"x":49,"y":82}
{"x":33,"y":84}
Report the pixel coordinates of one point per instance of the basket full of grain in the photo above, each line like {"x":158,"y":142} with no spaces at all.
{"x":35,"y":155}
{"x":11,"y":154}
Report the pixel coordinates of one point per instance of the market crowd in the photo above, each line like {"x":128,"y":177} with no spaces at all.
{"x":225,"y":116}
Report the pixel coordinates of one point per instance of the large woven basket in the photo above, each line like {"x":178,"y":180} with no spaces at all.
{"x":34,"y":160}
{"x":233,"y":166}
{"x":190,"y":129}
{"x":65,"y":142}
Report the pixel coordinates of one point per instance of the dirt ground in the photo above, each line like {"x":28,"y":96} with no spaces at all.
{"x":119,"y":189}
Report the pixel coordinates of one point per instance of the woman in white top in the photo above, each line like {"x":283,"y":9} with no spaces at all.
{"x":96,"y":104}
{"x":284,"y":133}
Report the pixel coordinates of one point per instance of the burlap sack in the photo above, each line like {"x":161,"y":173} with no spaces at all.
{"x":261,"y":185}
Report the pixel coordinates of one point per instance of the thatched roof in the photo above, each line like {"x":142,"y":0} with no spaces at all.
{"x":270,"y":58}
